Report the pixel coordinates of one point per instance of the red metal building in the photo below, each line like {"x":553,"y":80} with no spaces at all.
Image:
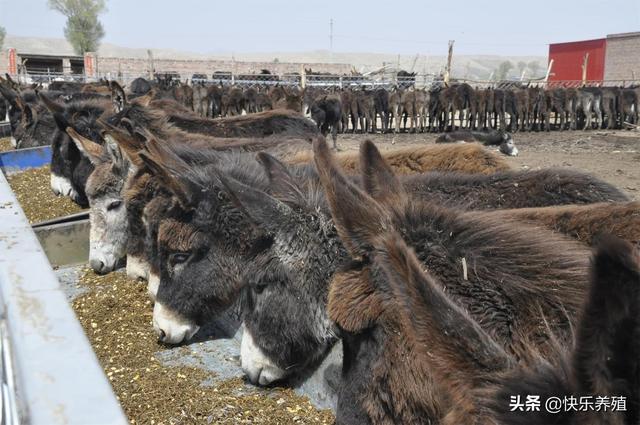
{"x":569,"y":57}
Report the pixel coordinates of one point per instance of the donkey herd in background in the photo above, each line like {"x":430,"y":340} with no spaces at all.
{"x":454,"y":282}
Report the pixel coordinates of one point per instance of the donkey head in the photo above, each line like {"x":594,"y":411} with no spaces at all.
{"x":105,"y":192}
{"x":286,"y":326}
{"x":202,"y":234}
{"x":359,"y":302}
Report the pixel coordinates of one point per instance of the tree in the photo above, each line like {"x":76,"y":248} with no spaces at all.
{"x":2,"y":34}
{"x":534,"y":66}
{"x":503,"y":69}
{"x":83,"y":29}
{"x":521,"y":67}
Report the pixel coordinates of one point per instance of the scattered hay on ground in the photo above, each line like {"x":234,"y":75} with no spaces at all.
{"x":116,"y":315}
{"x":5,"y":144}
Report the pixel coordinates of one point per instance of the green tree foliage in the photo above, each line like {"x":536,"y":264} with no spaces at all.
{"x":2,"y":34}
{"x":503,"y":70}
{"x":534,"y":66}
{"x":83,"y":29}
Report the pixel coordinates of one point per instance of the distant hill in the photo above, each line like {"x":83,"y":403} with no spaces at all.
{"x":469,"y":66}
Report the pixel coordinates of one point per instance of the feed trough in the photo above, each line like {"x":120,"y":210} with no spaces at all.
{"x":43,"y":269}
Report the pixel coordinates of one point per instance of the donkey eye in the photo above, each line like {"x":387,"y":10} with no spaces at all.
{"x":113,"y":205}
{"x":258,"y":287}
{"x":178,"y":258}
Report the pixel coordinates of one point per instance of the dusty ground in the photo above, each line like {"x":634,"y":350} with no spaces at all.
{"x":614,"y":156}
{"x":116,"y":315}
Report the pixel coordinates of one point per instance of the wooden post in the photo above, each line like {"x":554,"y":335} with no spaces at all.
{"x":447,"y":73}
{"x":546,"y":77}
{"x":151,"y":66}
{"x":233,"y":69}
{"x":524,"y":71}
{"x":303,"y":76}
{"x":585,"y":62}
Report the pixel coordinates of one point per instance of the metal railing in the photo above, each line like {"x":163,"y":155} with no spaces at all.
{"x":322,"y":80}
{"x":10,"y":413}
{"x":50,"y":374}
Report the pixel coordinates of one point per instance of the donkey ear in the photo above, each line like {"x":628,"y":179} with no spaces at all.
{"x":263,"y":210}
{"x":8,"y":93}
{"x":53,"y":107}
{"x":118,"y":97}
{"x":90,"y":149}
{"x":358,"y":218}
{"x":115,"y":154}
{"x":178,"y":186}
{"x":378,"y":178}
{"x":165,"y":156}
{"x":123,"y":147}
{"x":608,"y":336}
{"x":27,"y":112}
{"x":281,"y":184}
{"x":11,"y":81}
{"x":129,"y":145}
{"x":61,"y":121}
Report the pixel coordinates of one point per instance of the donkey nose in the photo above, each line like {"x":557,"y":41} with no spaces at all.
{"x":97,"y":266}
{"x":254,"y":376}
{"x":161,"y":335}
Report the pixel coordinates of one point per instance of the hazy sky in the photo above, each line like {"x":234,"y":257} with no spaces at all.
{"x":411,"y":26}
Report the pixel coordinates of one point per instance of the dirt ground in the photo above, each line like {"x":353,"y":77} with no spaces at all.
{"x":614,"y":156}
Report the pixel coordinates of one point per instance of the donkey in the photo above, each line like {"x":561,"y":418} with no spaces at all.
{"x":480,"y":377}
{"x":326,"y":111}
{"x":477,"y":194}
{"x":505,"y":288}
{"x":499,"y":138}
{"x":69,"y":167}
{"x":116,"y":171}
{"x":583,"y":222}
{"x":262,"y":124}
{"x":459,"y":158}
{"x":28,"y":127}
{"x":301,"y":231}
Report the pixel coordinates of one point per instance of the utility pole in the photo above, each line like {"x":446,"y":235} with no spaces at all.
{"x":331,"y":35}
{"x":447,"y":73}
{"x":152,"y":69}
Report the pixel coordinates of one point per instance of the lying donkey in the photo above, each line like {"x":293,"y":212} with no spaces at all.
{"x":499,"y":138}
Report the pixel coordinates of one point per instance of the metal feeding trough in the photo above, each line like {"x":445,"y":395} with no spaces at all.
{"x":44,"y":346}
{"x":50,"y":373}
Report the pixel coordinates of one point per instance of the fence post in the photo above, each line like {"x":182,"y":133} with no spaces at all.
{"x":585,"y":62}
{"x":303,"y":76}
{"x":151,"y":65}
{"x":447,"y":74}
{"x":546,"y":77}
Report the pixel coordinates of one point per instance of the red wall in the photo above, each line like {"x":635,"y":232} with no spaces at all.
{"x":568,"y":58}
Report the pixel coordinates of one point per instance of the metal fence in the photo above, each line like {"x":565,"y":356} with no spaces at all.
{"x":320,"y":80}
{"x":50,"y":374}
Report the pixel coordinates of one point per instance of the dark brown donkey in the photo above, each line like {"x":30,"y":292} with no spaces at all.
{"x":505,"y":275}
{"x":484,"y":382}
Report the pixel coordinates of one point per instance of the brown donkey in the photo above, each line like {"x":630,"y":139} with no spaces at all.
{"x":484,"y":382}
{"x":504,"y":274}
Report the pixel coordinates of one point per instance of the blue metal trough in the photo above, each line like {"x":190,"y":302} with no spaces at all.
{"x":23,"y":159}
